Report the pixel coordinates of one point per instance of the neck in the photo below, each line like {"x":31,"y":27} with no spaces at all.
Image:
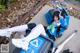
{"x":57,"y":21}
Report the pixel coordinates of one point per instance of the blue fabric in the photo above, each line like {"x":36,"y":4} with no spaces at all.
{"x":33,"y":48}
{"x":52,"y":30}
{"x":67,"y":19}
{"x":54,"y":33}
{"x":48,"y":17}
{"x":64,"y":23}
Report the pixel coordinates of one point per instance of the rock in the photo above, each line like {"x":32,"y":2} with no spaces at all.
{"x":8,"y":20}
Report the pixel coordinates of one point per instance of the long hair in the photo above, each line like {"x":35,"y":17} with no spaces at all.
{"x":56,"y":13}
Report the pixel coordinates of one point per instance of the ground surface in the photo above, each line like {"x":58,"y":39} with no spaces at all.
{"x":74,"y":43}
{"x":19,"y":12}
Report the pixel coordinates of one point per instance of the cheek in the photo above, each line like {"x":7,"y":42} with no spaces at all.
{"x":55,"y":18}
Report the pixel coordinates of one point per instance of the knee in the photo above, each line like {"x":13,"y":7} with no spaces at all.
{"x":40,"y":26}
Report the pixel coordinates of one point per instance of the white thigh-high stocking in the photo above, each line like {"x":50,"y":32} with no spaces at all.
{"x":24,"y":42}
{"x":7,"y":32}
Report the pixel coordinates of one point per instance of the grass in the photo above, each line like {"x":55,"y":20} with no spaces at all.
{"x":3,"y":5}
{"x":2,"y":8}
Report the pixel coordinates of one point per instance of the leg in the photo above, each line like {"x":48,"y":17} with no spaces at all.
{"x":24,"y":42}
{"x":7,"y":32}
{"x":36,"y":31}
{"x":20,"y":28}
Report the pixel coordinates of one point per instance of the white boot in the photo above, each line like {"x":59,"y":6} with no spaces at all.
{"x":20,"y":43}
{"x":24,"y":42}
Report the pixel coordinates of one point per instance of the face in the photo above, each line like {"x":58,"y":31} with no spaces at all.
{"x":55,"y":18}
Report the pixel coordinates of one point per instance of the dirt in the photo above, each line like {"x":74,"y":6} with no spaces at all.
{"x":20,"y":12}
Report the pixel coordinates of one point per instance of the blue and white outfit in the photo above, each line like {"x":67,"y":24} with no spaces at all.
{"x":63,"y":24}
{"x":53,"y":28}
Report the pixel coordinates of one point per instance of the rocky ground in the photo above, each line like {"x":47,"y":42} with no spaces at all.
{"x":20,"y":12}
{"x":76,"y":10}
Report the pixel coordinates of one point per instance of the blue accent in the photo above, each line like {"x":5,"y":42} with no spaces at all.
{"x":48,"y":17}
{"x":67,"y":19}
{"x":33,"y":48}
{"x":64,"y":22}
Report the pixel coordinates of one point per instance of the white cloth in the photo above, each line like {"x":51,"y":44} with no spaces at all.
{"x":56,"y":24}
{"x":24,"y":42}
{"x":7,"y":32}
{"x":20,"y":28}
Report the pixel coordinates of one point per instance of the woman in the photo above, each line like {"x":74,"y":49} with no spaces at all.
{"x":54,"y":28}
